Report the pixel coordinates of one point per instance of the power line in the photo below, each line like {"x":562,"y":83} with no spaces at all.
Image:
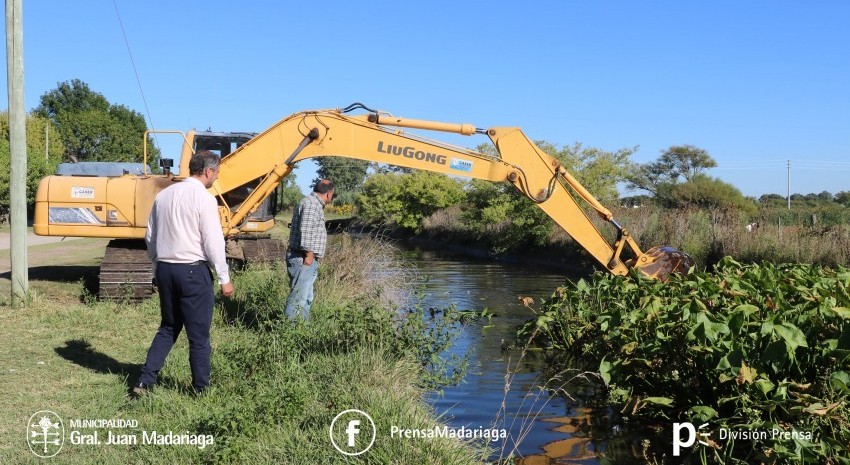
{"x":135,"y":71}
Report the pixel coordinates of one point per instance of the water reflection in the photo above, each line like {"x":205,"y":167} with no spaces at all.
{"x":502,"y":388}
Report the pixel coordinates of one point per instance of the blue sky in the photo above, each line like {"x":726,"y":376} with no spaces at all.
{"x":755,"y":83}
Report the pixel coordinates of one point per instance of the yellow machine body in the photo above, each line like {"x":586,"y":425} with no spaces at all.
{"x":118,"y":207}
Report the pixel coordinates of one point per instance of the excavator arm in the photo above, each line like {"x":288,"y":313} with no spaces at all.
{"x":379,"y":137}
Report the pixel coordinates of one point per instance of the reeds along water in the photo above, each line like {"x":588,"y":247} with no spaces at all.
{"x":706,"y":235}
{"x":709,"y":235}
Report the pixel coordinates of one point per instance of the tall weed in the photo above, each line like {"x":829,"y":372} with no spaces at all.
{"x":274,"y":371}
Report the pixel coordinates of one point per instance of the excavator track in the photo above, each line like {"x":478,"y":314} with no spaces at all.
{"x":262,"y":250}
{"x":126,"y":272}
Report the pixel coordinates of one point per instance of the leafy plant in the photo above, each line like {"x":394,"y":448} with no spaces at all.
{"x":745,"y":347}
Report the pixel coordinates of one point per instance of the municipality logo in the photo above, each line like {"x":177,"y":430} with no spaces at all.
{"x":45,"y":433}
{"x":352,"y":432}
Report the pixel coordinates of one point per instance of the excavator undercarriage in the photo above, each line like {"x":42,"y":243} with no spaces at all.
{"x":126,"y":273}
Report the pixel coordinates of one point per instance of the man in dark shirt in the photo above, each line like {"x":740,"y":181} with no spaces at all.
{"x":307,"y":241}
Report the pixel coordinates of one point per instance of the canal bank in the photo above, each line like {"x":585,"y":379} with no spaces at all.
{"x":572,"y":261}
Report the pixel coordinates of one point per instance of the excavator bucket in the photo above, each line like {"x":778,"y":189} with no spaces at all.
{"x":658,"y":262}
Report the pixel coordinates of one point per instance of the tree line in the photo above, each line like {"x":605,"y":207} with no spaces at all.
{"x":84,"y":126}
{"x":73,"y":123}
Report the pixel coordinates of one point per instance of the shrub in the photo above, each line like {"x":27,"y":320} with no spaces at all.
{"x":748,"y":347}
{"x":280,"y":382}
{"x":405,"y":200}
{"x":707,"y":192}
{"x":504,"y":218}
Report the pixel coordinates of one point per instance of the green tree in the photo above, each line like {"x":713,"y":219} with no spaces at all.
{"x":93,"y":129}
{"x":380,"y":199}
{"x":407,"y":199}
{"x":347,"y":174}
{"x":711,"y":193}
{"x":843,"y":198}
{"x":771,"y":199}
{"x":288,"y":193}
{"x":599,"y":171}
{"x":826,"y":197}
{"x":501,"y":215}
{"x":38,"y":166}
{"x":685,"y":161}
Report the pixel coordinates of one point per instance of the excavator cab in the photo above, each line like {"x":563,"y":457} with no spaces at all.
{"x":223,"y":144}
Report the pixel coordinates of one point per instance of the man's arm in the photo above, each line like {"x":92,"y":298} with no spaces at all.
{"x":213,"y":242}
{"x":150,"y":236}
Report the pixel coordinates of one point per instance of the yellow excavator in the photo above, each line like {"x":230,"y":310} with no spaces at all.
{"x":117,"y":205}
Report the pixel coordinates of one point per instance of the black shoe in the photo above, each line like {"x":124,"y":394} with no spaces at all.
{"x":139,"y":390}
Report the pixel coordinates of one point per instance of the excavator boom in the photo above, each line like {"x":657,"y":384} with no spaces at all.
{"x":253,"y":167}
{"x":375,"y":137}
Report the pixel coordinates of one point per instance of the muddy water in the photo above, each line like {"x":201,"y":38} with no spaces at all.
{"x":541,"y":428}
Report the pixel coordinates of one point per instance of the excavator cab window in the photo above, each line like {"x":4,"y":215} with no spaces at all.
{"x":223,"y":144}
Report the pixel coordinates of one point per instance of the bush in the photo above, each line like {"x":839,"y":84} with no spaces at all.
{"x":288,"y":193}
{"x":504,"y":218}
{"x":279,"y":383}
{"x":707,"y":192}
{"x":746,"y":348}
{"x":405,"y":200}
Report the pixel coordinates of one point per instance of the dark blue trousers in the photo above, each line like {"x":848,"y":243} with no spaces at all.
{"x":186,"y":298}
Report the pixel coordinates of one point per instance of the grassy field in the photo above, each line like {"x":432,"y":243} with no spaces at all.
{"x":276,"y":385}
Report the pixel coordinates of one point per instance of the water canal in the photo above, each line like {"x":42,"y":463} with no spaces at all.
{"x":542,"y":428}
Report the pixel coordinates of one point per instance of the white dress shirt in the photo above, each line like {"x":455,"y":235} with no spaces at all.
{"x":184,"y":227}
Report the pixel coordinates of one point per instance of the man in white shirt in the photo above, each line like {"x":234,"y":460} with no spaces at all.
{"x":184,"y":239}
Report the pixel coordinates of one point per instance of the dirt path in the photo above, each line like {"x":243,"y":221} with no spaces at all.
{"x":53,"y":251}
{"x":32,"y":239}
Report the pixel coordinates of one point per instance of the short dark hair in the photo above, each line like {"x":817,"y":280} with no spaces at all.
{"x":323,"y":185}
{"x":201,"y":161}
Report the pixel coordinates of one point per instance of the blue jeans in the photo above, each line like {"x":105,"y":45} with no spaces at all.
{"x":301,"y":279}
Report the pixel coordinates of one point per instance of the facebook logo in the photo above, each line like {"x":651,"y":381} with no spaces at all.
{"x":352,"y":432}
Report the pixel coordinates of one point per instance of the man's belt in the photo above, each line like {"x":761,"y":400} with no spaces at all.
{"x":197,"y":263}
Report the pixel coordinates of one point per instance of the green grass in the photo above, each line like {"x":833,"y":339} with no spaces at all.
{"x":276,"y":385}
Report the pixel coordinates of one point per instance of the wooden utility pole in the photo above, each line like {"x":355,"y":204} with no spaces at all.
{"x":18,"y":146}
{"x":789,"y":184}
